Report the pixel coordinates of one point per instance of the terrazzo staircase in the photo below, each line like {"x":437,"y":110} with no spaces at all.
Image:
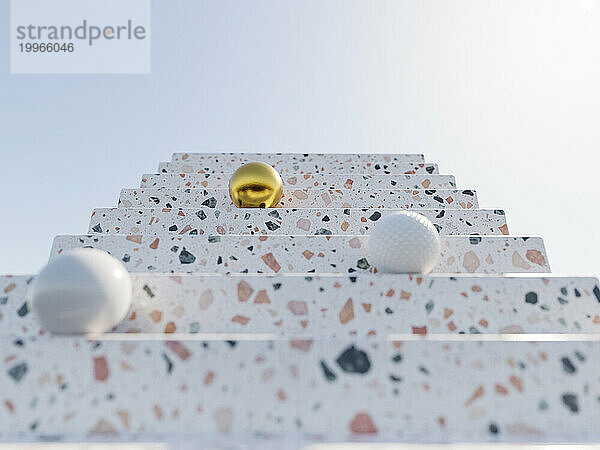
{"x":271,"y":327}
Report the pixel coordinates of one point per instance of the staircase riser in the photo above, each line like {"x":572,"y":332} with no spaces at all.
{"x":329,"y":306}
{"x":319,"y":158}
{"x":411,"y":391}
{"x":302,"y":254}
{"x":307,"y":198}
{"x":213,"y":221}
{"x":305,"y":181}
{"x":286,"y":168}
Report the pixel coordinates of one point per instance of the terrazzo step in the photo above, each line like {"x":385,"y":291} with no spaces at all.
{"x":212,"y":221}
{"x":276,"y":158}
{"x":339,"y":305}
{"x":301,"y":254}
{"x":333,"y":390}
{"x":304,"y":198}
{"x":304,"y":181}
{"x":286,"y":168}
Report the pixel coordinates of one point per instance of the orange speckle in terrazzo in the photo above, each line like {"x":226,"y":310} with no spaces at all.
{"x":347,"y":312}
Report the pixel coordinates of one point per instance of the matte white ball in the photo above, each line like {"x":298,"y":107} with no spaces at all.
{"x":404,"y":242}
{"x":81,"y":291}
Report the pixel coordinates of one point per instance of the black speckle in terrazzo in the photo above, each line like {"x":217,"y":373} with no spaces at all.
{"x":194,"y":232}
{"x":493,"y":428}
{"x":329,"y":374}
{"x":500,"y":212}
{"x":362,"y":263}
{"x":437,"y":227}
{"x":563,"y":291}
{"x":169,"y":363}
{"x":148,"y":291}
{"x":126,"y":258}
{"x":323,"y":231}
{"x":3,"y":300}
{"x":325,"y":218}
{"x":210,"y":202}
{"x":18,"y":372}
{"x":438,"y":199}
{"x":274,"y":214}
{"x":201,"y":215}
{"x":232,"y":343}
{"x":531,"y":297}
{"x":173,"y":228}
{"x":474,"y":240}
{"x":175,"y":248}
{"x":213,"y":239}
{"x":23,"y":310}
{"x":596,"y":291}
{"x":186,"y":257}
{"x":429,"y":169}
{"x":375,"y":216}
{"x":272,"y":225}
{"x":568,"y":366}
{"x":429,"y":306}
{"x":388,"y":310}
{"x":570,"y":401}
{"x":353,"y":360}
{"x":97,"y":228}
{"x":276,"y":286}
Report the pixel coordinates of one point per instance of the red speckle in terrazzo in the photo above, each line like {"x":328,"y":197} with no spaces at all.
{"x":179,"y":349}
{"x":242,"y":320}
{"x":262,"y":297}
{"x":362,"y":424}
{"x":101,"y":371}
{"x":244,"y":291}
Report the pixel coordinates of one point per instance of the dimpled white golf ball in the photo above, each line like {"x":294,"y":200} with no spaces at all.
{"x":81,"y":291}
{"x":404,"y":242}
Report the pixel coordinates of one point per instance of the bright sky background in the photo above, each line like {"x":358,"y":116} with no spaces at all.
{"x":503,"y":94}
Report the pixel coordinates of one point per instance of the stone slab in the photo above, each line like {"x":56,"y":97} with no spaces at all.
{"x":304,"y":198}
{"x":301,"y":254}
{"x":213,"y":221}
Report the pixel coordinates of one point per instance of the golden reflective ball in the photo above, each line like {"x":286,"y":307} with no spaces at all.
{"x":255,"y":185}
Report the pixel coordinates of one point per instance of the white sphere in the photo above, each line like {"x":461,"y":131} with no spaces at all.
{"x":81,"y":291}
{"x":404,"y":242}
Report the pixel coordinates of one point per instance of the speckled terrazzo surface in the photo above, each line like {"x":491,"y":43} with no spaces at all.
{"x":305,"y":198}
{"x":328,"y":306}
{"x":280,"y":158}
{"x":337,"y":389}
{"x":286,"y":167}
{"x":283,"y":330}
{"x":305,"y":181}
{"x":213,"y":220}
{"x":302,"y":254}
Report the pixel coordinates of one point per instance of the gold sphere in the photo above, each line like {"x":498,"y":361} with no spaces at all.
{"x":255,"y":185}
